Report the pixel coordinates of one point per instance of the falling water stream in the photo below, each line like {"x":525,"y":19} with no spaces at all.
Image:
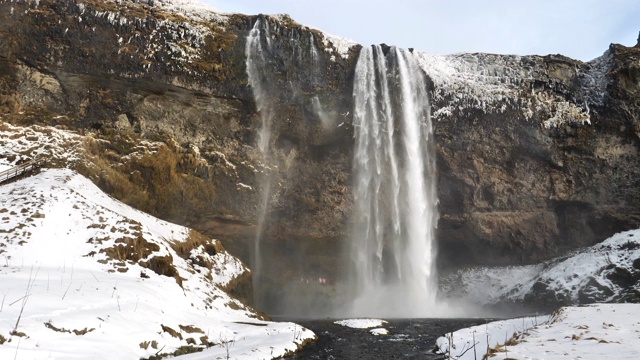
{"x":257,"y":76}
{"x":394,"y":188}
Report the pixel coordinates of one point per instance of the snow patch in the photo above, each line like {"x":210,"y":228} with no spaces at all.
{"x":379,"y":331}
{"x":19,"y":144}
{"x":339,"y":44}
{"x":361,"y":323}
{"x":193,"y":9}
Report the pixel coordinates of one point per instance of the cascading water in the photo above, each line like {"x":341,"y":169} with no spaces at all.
{"x":256,"y":73}
{"x":394,"y":189}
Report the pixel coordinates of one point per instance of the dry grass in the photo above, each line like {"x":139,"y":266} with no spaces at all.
{"x":190,"y":329}
{"x":171,"y":332}
{"x":163,"y":265}
{"x":576,"y":337}
{"x":502,"y":348}
{"x":160,"y":178}
{"x":84,"y":331}
{"x":134,"y":250}
{"x":193,"y":241}
{"x":130,"y":249}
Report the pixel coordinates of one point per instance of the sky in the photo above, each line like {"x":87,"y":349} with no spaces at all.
{"x":581,"y":29}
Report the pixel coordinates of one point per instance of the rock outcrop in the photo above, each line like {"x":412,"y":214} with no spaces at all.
{"x":536,"y":155}
{"x":606,"y":272}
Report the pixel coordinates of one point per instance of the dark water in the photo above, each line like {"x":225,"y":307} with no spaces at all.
{"x":407,"y":339}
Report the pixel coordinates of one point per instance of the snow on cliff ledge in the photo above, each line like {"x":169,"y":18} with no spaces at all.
{"x":85,"y":276}
{"x":199,"y":12}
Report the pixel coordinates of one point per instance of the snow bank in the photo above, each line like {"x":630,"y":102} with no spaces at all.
{"x":85,"y":276}
{"x":361,"y":323}
{"x":597,"y":331}
{"x":472,"y":343}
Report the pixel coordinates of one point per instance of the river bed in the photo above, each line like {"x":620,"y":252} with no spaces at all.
{"x":407,"y":339}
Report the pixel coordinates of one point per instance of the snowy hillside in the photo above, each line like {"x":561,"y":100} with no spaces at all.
{"x":602,"y":331}
{"x":84,"y":276}
{"x":606,"y":272}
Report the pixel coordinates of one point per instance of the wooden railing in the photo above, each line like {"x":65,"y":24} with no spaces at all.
{"x":21,"y":169}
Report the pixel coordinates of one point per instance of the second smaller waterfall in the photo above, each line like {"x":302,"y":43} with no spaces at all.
{"x":256,"y":73}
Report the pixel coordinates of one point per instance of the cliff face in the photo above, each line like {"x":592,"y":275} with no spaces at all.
{"x":535,"y":155}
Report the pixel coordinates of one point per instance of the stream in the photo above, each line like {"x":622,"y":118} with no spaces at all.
{"x":407,"y":339}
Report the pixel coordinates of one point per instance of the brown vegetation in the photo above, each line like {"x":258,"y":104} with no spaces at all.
{"x":84,"y":331}
{"x":163,"y":265}
{"x":130,"y":249}
{"x":161,"y":178}
{"x":171,"y":332}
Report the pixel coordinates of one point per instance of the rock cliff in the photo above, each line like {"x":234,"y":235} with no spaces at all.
{"x":535,"y":154}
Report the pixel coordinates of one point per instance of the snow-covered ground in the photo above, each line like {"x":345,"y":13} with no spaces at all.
{"x":598,"y":331}
{"x":604,"y":272}
{"x":83,"y":276}
{"x":474,"y":342}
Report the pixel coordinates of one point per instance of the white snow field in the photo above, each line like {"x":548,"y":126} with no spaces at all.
{"x":83,"y":276}
{"x":597,"y":331}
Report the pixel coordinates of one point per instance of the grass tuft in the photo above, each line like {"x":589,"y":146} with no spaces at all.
{"x":163,"y":265}
{"x":171,"y":332}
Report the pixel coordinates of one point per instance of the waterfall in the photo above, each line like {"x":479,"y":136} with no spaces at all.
{"x":394,"y":188}
{"x":257,"y":76}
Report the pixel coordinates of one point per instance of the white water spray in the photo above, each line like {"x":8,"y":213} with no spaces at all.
{"x":394,"y":189}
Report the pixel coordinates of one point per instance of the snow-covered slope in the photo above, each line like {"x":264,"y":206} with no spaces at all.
{"x":602,"y":331}
{"x":84,"y":276}
{"x":606,"y":272}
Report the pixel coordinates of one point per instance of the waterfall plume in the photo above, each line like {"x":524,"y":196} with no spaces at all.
{"x":392,"y":243}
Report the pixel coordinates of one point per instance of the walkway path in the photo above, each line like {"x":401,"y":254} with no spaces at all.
{"x":16,"y":171}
